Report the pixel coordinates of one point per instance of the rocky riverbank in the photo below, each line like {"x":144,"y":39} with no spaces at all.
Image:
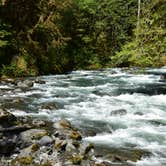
{"x":36,"y":142}
{"x":26,"y":141}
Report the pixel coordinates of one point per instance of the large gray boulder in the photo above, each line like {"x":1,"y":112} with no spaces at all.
{"x":46,"y":140}
{"x":31,"y":136}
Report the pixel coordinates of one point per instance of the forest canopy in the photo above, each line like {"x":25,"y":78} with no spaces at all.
{"x":57,"y":36}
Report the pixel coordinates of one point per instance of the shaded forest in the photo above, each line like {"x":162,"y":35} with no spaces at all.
{"x":46,"y":37}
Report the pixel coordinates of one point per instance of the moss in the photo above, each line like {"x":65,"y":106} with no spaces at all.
{"x":75,"y":135}
{"x":77,"y":159}
{"x":22,"y":161}
{"x":35,"y":147}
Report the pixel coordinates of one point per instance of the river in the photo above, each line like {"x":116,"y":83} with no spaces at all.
{"x":114,"y":108}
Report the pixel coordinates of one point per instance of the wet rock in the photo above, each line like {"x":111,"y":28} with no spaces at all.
{"x":17,"y":100}
{"x":163,"y":77}
{"x":70,"y":148}
{"x":29,"y":151}
{"x":61,"y":148}
{"x":49,"y":106}
{"x":76,"y":159}
{"x":6,"y":118}
{"x":60,"y":135}
{"x":120,"y":112}
{"x":38,"y":123}
{"x":17,"y":90}
{"x":22,"y":161}
{"x":85,"y":148}
{"x":60,"y":145}
{"x":7,"y":80}
{"x":138,"y":113}
{"x":25,"y":84}
{"x":28,"y":137}
{"x":7,"y":146}
{"x":38,"y":81}
{"x":62,"y":124}
{"x":15,"y":129}
{"x":75,"y":135}
{"x":121,"y":155}
{"x":46,"y":140}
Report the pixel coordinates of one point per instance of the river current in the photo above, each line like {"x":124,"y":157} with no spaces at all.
{"x":114,"y":108}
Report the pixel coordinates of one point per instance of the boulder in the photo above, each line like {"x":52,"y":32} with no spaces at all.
{"x":60,"y":145}
{"x":29,"y":150}
{"x":25,"y":84}
{"x":6,"y":118}
{"x":39,"y":123}
{"x":76,"y":159}
{"x":31,"y":136}
{"x":49,"y":106}
{"x":63,"y":124}
{"x":163,"y":77}
{"x":17,"y":90}
{"x":75,"y":135}
{"x":46,"y":140}
{"x":85,"y":148}
{"x":7,"y":146}
{"x":70,"y":148}
{"x":38,"y":81}
{"x":15,"y":129}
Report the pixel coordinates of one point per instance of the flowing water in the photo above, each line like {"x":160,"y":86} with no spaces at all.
{"x":114,"y":108}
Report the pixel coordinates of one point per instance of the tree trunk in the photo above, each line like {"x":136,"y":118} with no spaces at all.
{"x":138,"y":19}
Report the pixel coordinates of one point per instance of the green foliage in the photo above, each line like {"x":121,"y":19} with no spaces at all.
{"x":100,"y":29}
{"x":149,"y":47}
{"x":12,"y":71}
{"x":58,"y":36}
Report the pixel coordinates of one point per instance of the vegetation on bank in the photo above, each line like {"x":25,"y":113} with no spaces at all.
{"x":148,"y":46}
{"x":47,"y":37}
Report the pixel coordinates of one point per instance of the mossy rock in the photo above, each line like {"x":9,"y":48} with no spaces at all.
{"x":22,"y":161}
{"x":60,"y":145}
{"x":47,"y":163}
{"x":35,"y":147}
{"x":76,"y":159}
{"x":65,"y":123}
{"x":75,"y":135}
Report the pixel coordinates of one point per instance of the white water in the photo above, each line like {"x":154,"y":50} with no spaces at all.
{"x":87,"y":98}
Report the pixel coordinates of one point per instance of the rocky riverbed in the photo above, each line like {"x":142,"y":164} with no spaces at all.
{"x":27,"y":141}
{"x":64,"y":120}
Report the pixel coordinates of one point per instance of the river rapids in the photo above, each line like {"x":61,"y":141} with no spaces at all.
{"x":114,"y":108}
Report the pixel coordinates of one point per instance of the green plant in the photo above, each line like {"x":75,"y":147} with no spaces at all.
{"x":13,"y":71}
